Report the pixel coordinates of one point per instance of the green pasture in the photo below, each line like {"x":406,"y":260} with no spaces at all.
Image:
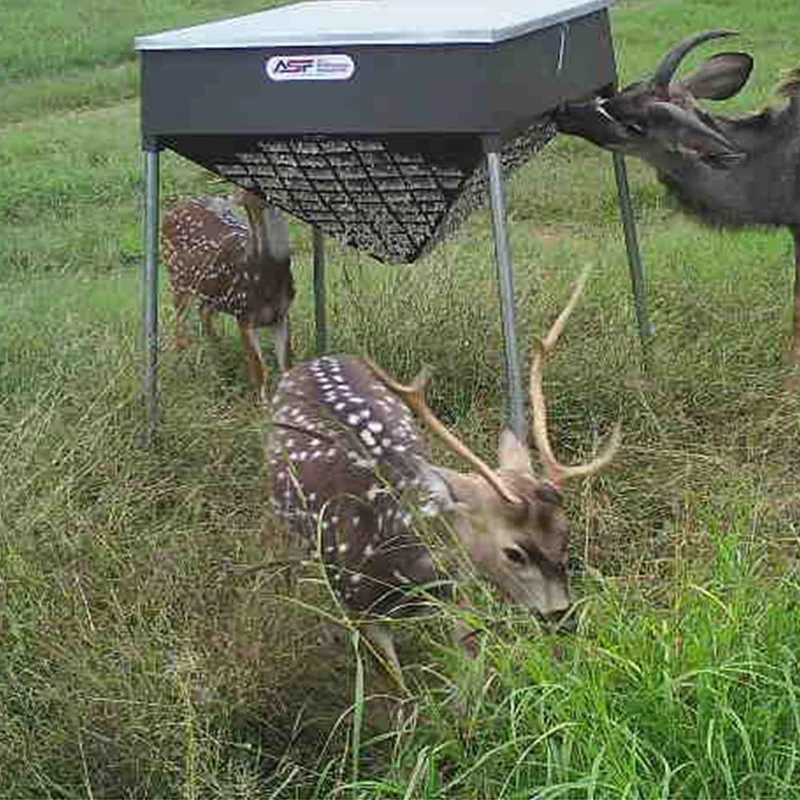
{"x":144,"y":653}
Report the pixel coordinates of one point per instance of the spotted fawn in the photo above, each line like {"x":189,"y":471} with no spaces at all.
{"x":238,"y":269}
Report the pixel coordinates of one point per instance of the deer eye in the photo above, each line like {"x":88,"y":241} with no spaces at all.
{"x":515,"y":555}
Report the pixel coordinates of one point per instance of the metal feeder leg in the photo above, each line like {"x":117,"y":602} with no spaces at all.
{"x":150,"y":319}
{"x":505,"y":279}
{"x":635,"y":266}
{"x":319,"y":290}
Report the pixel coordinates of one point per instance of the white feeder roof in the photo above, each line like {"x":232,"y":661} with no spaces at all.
{"x":379,"y":22}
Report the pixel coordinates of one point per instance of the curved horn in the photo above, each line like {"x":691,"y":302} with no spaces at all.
{"x":414,"y":397}
{"x":669,"y":112}
{"x":666,"y":69}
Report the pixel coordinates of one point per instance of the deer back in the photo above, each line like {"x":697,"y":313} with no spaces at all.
{"x":204,"y":245}
{"x":345,"y":455}
{"x":233,"y":268}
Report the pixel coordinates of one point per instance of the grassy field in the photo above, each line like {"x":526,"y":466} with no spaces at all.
{"x":138,"y":656}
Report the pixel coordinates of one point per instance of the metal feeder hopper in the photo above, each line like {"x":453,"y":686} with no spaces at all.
{"x":380,"y":122}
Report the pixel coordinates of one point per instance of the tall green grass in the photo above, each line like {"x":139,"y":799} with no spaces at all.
{"x":56,"y":55}
{"x":141,"y":656}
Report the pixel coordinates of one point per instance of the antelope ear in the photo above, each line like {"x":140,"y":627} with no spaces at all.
{"x":512,"y":454}
{"x":721,"y":77}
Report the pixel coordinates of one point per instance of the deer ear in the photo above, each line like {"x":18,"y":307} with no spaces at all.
{"x":447,"y":489}
{"x":721,"y":77}
{"x":439,"y":497}
{"x":512,"y":454}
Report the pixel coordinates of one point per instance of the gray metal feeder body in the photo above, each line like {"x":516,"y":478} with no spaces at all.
{"x":380,"y":122}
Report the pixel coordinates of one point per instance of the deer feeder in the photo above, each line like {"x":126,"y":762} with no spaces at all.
{"x":382,"y":123}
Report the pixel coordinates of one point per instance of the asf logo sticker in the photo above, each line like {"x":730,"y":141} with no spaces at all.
{"x":328,"y":67}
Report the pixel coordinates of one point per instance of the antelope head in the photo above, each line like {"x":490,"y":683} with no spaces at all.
{"x":659,"y":118}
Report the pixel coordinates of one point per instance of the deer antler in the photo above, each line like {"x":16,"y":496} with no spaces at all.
{"x":414,"y":396}
{"x":554,"y":470}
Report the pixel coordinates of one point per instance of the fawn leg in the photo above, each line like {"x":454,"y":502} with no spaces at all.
{"x":258,"y":371}
{"x":181,"y":302}
{"x":283,"y":344}
{"x":207,"y":318}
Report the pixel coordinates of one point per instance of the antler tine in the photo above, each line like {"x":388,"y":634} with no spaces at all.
{"x":549,"y":341}
{"x":414,"y":396}
{"x":596,"y":464}
{"x":554,"y":470}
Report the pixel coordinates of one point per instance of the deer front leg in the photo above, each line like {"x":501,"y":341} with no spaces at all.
{"x":382,"y":642}
{"x":283,"y":344}
{"x":467,"y":638}
{"x":255,"y":360}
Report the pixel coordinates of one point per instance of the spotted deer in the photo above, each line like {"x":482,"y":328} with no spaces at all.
{"x":728,"y":171}
{"x":352,"y":475}
{"x":242,"y":270}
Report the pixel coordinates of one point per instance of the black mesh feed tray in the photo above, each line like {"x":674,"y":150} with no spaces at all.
{"x":380,"y":122}
{"x":392,"y":196}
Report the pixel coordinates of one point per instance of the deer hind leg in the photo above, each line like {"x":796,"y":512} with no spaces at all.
{"x":283,"y":344}
{"x":382,"y":642}
{"x":255,"y":359}
{"x":181,"y":302}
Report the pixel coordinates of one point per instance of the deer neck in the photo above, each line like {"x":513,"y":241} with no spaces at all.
{"x":269,"y":236}
{"x":256,"y":242}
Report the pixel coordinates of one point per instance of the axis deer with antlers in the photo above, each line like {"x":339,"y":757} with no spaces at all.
{"x":728,"y":171}
{"x":351,"y":472}
{"x":242,"y":270}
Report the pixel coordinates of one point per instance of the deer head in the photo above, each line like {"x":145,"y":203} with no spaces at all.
{"x":659,"y":119}
{"x":511,"y":521}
